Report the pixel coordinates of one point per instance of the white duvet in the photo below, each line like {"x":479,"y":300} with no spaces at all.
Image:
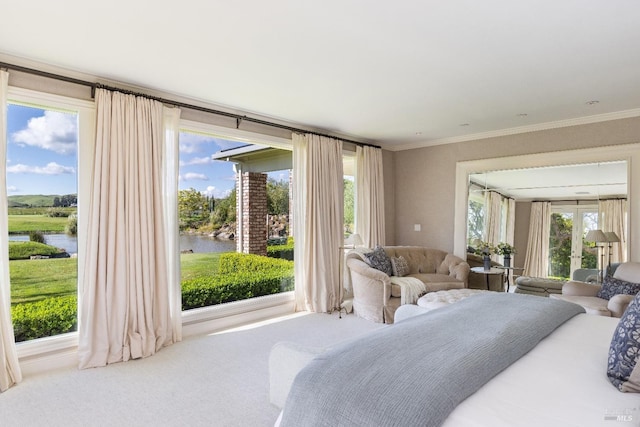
{"x":561,"y":382}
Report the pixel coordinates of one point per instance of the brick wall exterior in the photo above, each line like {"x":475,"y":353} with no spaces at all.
{"x":252,"y":211}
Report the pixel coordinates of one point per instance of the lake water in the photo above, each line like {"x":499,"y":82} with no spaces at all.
{"x":192,"y":242}
{"x":205,"y":244}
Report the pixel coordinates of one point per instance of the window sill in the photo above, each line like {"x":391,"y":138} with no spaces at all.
{"x":60,"y":351}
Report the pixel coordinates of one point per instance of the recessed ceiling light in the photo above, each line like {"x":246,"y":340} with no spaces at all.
{"x":522,"y":115}
{"x":592,"y":102}
{"x":418,"y":133}
{"x":464,"y":124}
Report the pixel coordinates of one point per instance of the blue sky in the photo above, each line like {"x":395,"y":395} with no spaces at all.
{"x":42,"y":148}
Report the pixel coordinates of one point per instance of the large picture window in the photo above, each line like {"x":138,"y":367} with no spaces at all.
{"x":235,"y":237}
{"x":43,"y":134}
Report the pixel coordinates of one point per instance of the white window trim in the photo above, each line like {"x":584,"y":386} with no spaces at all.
{"x":60,"y":351}
{"x":236,"y":134}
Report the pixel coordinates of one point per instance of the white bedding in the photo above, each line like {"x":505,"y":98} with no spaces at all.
{"x":561,"y":382}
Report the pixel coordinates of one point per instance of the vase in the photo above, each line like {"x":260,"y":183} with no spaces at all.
{"x":487,"y":262}
{"x":507,"y":261}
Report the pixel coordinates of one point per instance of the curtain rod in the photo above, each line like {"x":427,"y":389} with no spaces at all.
{"x":239,"y":118}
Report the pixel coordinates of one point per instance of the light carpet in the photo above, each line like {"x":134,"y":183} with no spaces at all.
{"x":212,"y":380}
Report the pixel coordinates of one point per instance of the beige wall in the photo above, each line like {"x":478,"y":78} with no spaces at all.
{"x":425,"y":178}
{"x":388,"y":170}
{"x":521,"y":233}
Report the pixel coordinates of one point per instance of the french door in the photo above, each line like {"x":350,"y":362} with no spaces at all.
{"x":568,"y":251}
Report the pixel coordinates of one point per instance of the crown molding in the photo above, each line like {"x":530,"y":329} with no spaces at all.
{"x":518,"y":130}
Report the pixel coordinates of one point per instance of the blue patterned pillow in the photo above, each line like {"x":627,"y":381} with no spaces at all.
{"x":612,"y":286}
{"x":623,"y":368}
{"x":400,"y":266}
{"x":379,"y":260}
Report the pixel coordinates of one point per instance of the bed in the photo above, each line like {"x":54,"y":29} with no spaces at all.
{"x":562,"y":381}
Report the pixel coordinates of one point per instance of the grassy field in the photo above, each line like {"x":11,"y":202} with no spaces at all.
{"x":22,"y":224}
{"x":39,"y":279}
{"x":44,"y":278}
{"x":198,"y":265}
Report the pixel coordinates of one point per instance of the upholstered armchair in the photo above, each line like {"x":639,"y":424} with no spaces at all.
{"x":377,"y":295}
{"x":586,"y":294}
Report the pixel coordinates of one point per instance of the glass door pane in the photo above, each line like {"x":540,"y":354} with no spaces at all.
{"x":589,"y":258}
{"x":568,"y":251}
{"x":560,"y":244}
{"x":41,"y":173}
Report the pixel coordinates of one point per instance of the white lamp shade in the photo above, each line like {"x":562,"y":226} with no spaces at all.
{"x":611,"y":236}
{"x":595,"y":236}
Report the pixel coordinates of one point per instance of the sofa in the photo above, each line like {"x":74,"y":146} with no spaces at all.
{"x":540,"y":286}
{"x":587,"y":294}
{"x":376,"y":298}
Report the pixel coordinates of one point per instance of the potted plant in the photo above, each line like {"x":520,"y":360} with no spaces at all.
{"x":506,"y":250}
{"x":485,"y":249}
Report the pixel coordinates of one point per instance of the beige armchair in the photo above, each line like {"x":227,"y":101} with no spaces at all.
{"x":585,"y":294}
{"x":376,"y":298}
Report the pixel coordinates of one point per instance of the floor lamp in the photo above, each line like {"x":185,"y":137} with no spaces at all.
{"x":612,"y":238}
{"x":597,"y":236}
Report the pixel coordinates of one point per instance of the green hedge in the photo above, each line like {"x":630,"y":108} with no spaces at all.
{"x":240,"y":276}
{"x":282,"y":251}
{"x":24,"y":250}
{"x":52,"y":316}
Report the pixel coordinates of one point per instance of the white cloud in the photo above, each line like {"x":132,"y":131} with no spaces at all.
{"x":12,"y":189}
{"x":279,"y":176}
{"x":54,"y":131}
{"x":50,"y":169}
{"x":190,"y":176}
{"x":197,"y":161}
{"x":192,"y":142}
{"x":213,"y":191}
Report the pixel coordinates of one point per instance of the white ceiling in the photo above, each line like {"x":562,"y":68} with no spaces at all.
{"x":400,"y":74}
{"x":569,"y":182}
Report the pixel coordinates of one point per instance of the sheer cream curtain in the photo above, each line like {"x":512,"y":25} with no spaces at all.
{"x":126,"y":307}
{"x":170,"y":173}
{"x":319,"y":204}
{"x":511,"y":221}
{"x":10,"y":373}
{"x":613,"y":215}
{"x":510,"y":229}
{"x":492,"y":219}
{"x":370,"y":196}
{"x":536,"y":263}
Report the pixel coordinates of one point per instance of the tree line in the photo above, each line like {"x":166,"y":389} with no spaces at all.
{"x":199,"y":211}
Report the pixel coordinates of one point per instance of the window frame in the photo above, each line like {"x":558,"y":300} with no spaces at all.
{"x":60,"y":351}
{"x":86,"y":114}
{"x":216,"y":317}
{"x":577,"y":211}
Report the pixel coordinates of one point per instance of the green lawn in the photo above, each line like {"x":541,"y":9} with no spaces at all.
{"x":34,"y":280}
{"x":199,"y":265}
{"x":19,"y":224}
